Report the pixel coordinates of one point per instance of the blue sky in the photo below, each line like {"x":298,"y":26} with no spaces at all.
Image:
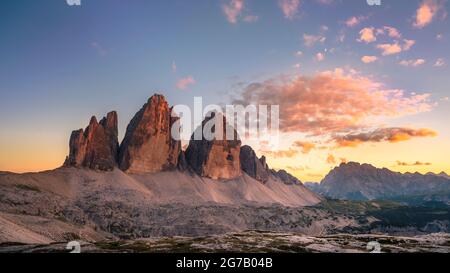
{"x":60,"y":64}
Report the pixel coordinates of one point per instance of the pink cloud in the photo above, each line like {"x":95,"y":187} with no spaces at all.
{"x":369,"y":59}
{"x":185,"y":82}
{"x":408,"y":44}
{"x":355,"y":20}
{"x":320,"y":57}
{"x":289,"y":7}
{"x":392,"y":32}
{"x":233,"y":10}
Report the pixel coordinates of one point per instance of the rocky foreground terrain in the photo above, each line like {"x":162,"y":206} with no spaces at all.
{"x":256,"y":242}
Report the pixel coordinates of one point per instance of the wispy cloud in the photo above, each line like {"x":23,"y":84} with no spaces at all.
{"x":310,"y":40}
{"x":417,"y":163}
{"x":331,"y":159}
{"x":320,"y":57}
{"x":396,"y":47}
{"x":280,"y":153}
{"x":392,"y":135}
{"x":233,"y":10}
{"x":289,"y":8}
{"x":174,"y":67}
{"x":185,"y":82}
{"x":305,"y":146}
{"x":439,"y":62}
{"x":369,"y":59}
{"x":99,"y":48}
{"x":413,"y":63}
{"x":251,"y":18}
{"x":391,"y":32}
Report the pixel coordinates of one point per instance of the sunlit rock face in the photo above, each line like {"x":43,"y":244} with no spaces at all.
{"x":215,"y":157}
{"x":96,"y":147}
{"x":148,"y":145}
{"x":252,"y":165}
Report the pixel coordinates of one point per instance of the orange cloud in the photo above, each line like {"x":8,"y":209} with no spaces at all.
{"x":331,"y":101}
{"x":331,"y":159}
{"x":392,"y":135}
{"x":396,"y":47}
{"x":427,"y":11}
{"x":390,"y":49}
{"x":305,"y":146}
{"x":367,"y":35}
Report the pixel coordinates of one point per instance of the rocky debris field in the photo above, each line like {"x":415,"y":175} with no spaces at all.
{"x":256,"y":242}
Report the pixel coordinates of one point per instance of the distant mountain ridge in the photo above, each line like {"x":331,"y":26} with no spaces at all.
{"x":355,"y":181}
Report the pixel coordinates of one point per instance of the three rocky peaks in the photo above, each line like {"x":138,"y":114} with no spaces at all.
{"x":148,"y":147}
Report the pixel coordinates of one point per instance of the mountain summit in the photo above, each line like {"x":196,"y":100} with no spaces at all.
{"x":148,"y":145}
{"x":96,"y":147}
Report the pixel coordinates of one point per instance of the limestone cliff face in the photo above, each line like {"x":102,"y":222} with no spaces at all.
{"x":96,"y":147}
{"x":214,"y":157}
{"x":148,"y":146}
{"x":252,"y":165}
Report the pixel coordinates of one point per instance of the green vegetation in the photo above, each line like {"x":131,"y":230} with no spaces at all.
{"x":389,"y":213}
